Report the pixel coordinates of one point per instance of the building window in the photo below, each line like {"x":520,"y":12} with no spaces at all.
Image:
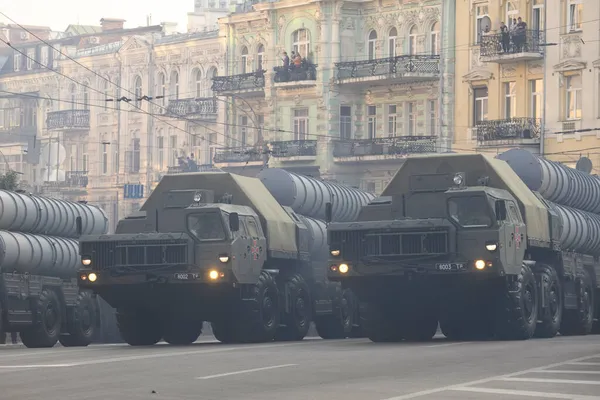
{"x":345,"y":122}
{"x":301,"y":42}
{"x":198,"y":81}
{"x":260,"y":54}
{"x":106,"y":93}
{"x":392,"y":120}
{"x":174,"y":153}
{"x":136,"y":156}
{"x":512,"y":13}
{"x":412,"y":40}
{"x":174,"y":85}
{"x":573,"y":96}
{"x":104,"y":158}
{"x":162,"y":88}
{"x":392,"y":39}
{"x":372,"y":121}
{"x":537,"y":16}
{"x":137,"y":90}
{"x":433,"y":117}
{"x":30,"y":58}
{"x":243,"y":139}
{"x":536,"y":90}
{"x":435,"y":39}
{"x":44,"y":55}
{"x":411,"y":113}
{"x":73,"y":158}
{"x":372,"y":45}
{"x":575,"y":16}
{"x":115,"y":152}
{"x":301,"y":124}
{"x":244,"y":60}
{"x":480,"y":104}
{"x":510,"y":99}
{"x":17,"y":61}
{"x":73,"y":94}
{"x":160,"y":156}
{"x":86,"y":96}
{"x":85,"y":158}
{"x":483,"y":22}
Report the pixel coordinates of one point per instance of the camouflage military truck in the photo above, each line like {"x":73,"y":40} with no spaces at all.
{"x":215,"y":247}
{"x":462,"y":240}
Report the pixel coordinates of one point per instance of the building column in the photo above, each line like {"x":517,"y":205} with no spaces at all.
{"x":447,"y":76}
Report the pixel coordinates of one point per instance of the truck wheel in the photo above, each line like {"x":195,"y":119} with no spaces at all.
{"x":518,"y":307}
{"x":259,"y":316}
{"x":581,"y":320}
{"x":421,"y":325}
{"x":339,"y":324}
{"x":46,"y":329}
{"x":182,"y":332}
{"x":380,"y":322}
{"x":550,"y":317}
{"x":225,"y":331}
{"x":81,"y":322}
{"x":297,"y":322}
{"x":139,"y":328}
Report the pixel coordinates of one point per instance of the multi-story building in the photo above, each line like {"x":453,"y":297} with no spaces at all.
{"x":573,"y":82}
{"x":117,"y":109}
{"x":500,"y":59}
{"x":366,"y":94}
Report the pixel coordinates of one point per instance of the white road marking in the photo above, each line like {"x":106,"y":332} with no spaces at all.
{"x":566,"y":371}
{"x":447,"y":344}
{"x":586,"y":363}
{"x":37,"y":366}
{"x":526,"y":393}
{"x":247,"y":371}
{"x":486,"y":380}
{"x":541,"y":380}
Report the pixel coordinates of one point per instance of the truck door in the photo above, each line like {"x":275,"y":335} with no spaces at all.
{"x":518,"y":235}
{"x":505,"y":235}
{"x":257,"y":248}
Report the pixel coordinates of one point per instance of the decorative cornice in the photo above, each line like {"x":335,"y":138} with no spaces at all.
{"x":478,"y":75}
{"x":570,"y":65}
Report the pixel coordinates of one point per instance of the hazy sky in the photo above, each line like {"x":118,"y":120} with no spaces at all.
{"x":58,"y":14}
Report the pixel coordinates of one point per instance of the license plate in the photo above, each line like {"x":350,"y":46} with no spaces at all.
{"x":450,"y":267}
{"x":185,"y":276}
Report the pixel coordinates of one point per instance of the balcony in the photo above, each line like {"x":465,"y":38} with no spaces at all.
{"x":17,"y":133}
{"x":68,"y":119}
{"x":238,"y":155}
{"x":305,"y":75}
{"x":294,"y":150}
{"x":508,"y":132}
{"x":400,"y":68}
{"x":528,"y":46}
{"x":251,"y":82}
{"x":75,"y":182}
{"x":182,"y":169}
{"x":201,"y":108}
{"x":382,"y":149}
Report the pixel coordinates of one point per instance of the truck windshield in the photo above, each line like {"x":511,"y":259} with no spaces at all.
{"x":207,"y":226}
{"x":470,"y":212}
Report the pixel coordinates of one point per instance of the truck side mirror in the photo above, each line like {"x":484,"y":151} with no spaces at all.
{"x":500,"y":210}
{"x":328,"y":212}
{"x":234,"y":222}
{"x":79,"y":226}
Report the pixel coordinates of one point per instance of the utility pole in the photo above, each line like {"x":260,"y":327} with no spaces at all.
{"x":447,"y":81}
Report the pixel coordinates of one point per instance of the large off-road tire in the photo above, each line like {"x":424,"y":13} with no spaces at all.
{"x":181,"y":331}
{"x":339,"y":324}
{"x":581,"y":320}
{"x":518,"y":301}
{"x":467,"y":315}
{"x":139,"y":328}
{"x":225,"y":330}
{"x":550,"y":317}
{"x":420,"y":324}
{"x":381,"y":322}
{"x":48,"y":311}
{"x":258,"y":316}
{"x":296,"y":323}
{"x":81,"y":322}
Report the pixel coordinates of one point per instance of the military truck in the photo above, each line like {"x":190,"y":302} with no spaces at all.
{"x":39,"y":260}
{"x":461,"y":239}
{"x":215,"y":247}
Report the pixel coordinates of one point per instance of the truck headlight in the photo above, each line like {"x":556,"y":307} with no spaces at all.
{"x":480,"y":264}
{"x":491,"y":246}
{"x":224,"y":258}
{"x":335,"y":253}
{"x":343,"y":268}
{"x":86,"y":261}
{"x":92,"y":277}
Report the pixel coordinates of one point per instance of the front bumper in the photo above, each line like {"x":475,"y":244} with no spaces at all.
{"x":89,"y":279}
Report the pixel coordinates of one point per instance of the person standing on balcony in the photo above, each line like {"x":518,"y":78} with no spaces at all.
{"x":505,"y":37}
{"x":286,"y":60}
{"x":521,"y":33}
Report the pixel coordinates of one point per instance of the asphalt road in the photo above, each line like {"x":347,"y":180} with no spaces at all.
{"x":560,"y":368}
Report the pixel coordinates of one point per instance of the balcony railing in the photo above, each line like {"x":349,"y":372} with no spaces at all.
{"x":306,"y":72}
{"x":512,"y":45}
{"x":294,"y":148}
{"x":73,"y":179}
{"x":238,"y":155}
{"x":68,"y":119}
{"x":248,"y":81}
{"x":508,"y":129}
{"x":403,"y":65}
{"x":392,"y":146}
{"x":192,"y":107}
{"x":181,"y":169}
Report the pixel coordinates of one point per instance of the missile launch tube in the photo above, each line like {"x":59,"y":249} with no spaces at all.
{"x":580,"y":230}
{"x":38,"y":255}
{"x":307,"y":196}
{"x":43,"y":215}
{"x":555,"y":181}
{"x":319,"y":250}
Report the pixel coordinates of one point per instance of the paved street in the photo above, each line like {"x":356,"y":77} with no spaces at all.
{"x":563,"y":368}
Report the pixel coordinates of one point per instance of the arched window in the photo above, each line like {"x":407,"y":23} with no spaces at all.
{"x":197,"y":75}
{"x":301,"y":42}
{"x":260,"y":57}
{"x":412,"y":41}
{"x":209,"y":78}
{"x":137,"y":90}
{"x":161,"y":83}
{"x":86,"y":96}
{"x":107,"y":86}
{"x":372,"y":45}
{"x":174,"y":85}
{"x":244,"y":59}
{"x":435,"y":39}
{"x":392,"y":37}
{"x":73,"y":95}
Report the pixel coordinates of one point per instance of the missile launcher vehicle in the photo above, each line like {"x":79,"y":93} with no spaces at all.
{"x":504,"y":247}
{"x":217,"y":247}
{"x":39,"y":262}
